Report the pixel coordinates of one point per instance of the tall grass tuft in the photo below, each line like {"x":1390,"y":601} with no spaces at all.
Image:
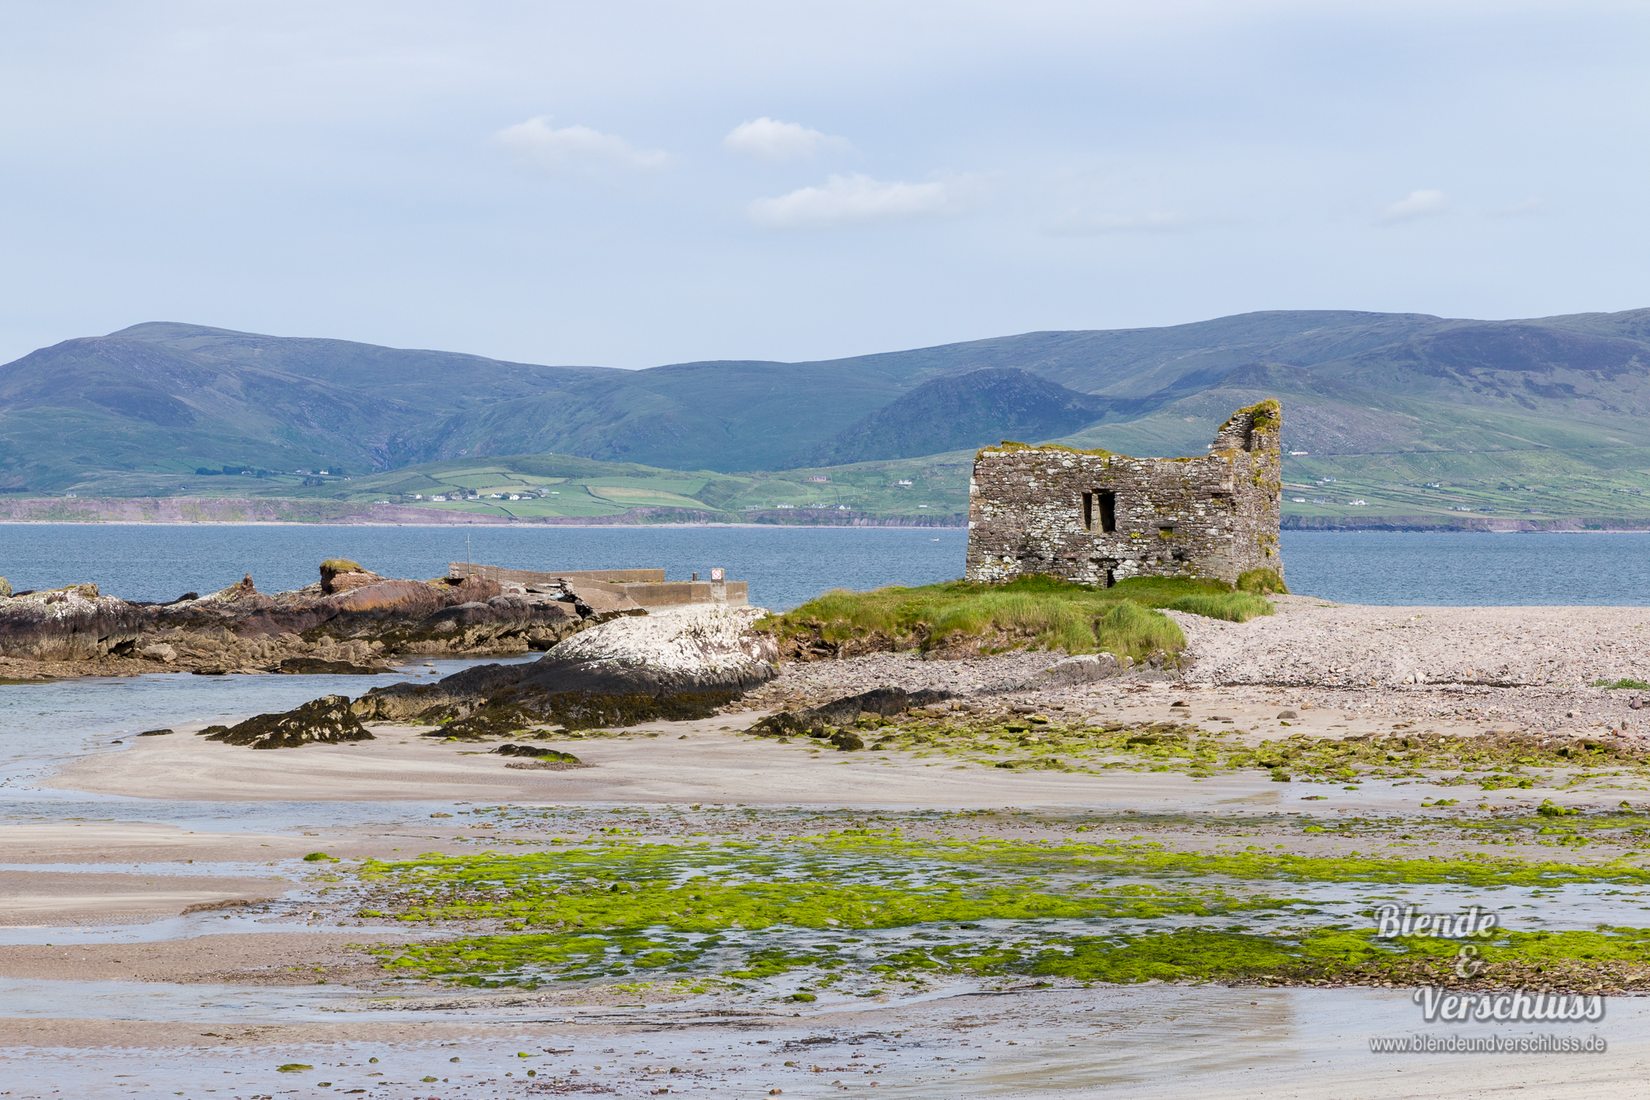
{"x":1039,"y":612}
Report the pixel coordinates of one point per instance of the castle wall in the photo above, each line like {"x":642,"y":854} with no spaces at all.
{"x":1047,"y":509}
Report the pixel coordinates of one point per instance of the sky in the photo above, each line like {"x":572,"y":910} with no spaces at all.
{"x":629,"y":184}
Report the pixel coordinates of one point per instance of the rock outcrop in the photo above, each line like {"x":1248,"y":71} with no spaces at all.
{"x":68,"y":624}
{"x":353,"y":618}
{"x":1085,"y":668}
{"x":327,"y":720}
{"x":680,"y":663}
{"x":826,"y":722}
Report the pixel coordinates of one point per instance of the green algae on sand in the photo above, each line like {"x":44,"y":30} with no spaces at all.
{"x":884,"y":906}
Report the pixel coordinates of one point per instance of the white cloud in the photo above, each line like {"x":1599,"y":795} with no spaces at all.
{"x":771,"y":139}
{"x":560,"y":147}
{"x":854,"y":198}
{"x":1417,"y":204}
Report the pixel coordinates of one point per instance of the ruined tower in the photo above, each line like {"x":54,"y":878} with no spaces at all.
{"x":1096,"y":518}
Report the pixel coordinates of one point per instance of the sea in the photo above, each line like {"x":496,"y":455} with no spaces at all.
{"x":789,"y":565}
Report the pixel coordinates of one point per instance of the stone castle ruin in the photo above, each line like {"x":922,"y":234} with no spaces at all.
{"x":1097,"y":518}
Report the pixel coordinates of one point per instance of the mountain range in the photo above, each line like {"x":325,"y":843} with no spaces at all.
{"x":1541,"y":417}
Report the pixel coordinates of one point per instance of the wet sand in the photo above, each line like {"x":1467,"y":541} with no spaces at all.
{"x":1143,"y":1041}
{"x":139,"y":959}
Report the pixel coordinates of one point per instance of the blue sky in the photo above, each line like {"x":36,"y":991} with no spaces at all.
{"x":630,"y":184}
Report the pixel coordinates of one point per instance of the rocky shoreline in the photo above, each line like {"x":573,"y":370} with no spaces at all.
{"x":350,"y":621}
{"x":248,"y":510}
{"x":275,"y":510}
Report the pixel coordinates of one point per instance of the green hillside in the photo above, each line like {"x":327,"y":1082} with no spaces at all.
{"x":1416,"y":417}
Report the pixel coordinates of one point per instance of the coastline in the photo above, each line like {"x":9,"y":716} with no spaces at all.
{"x":246,"y":940}
{"x":1292,"y":524}
{"x":581,"y":525}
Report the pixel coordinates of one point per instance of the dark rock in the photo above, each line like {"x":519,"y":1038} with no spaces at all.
{"x":541,"y":758}
{"x":787,"y":723}
{"x":498,"y":720}
{"x":519,"y":750}
{"x":156,"y":733}
{"x":884,"y":702}
{"x":825,"y":721}
{"x":480,"y":625}
{"x":538,"y":752}
{"x":327,"y":720}
{"x":846,"y":740}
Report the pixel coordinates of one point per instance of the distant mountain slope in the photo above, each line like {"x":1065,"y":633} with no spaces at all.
{"x":1553,"y":407}
{"x":160,"y":397}
{"x":962,"y":411}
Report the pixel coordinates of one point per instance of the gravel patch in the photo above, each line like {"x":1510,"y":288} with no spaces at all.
{"x":1526,"y":668}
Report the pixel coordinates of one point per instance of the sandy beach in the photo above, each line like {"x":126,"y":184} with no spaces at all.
{"x":227,"y":943}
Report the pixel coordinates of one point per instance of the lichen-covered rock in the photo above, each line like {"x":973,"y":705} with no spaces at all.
{"x":341,"y":575}
{"x":680,"y":649}
{"x":74,"y":623}
{"x":1086,"y":668}
{"x":541,"y":758}
{"x":326,"y":720}
{"x":677,"y":664}
{"x":825,"y":721}
{"x":884,"y":702}
{"x":501,"y":720}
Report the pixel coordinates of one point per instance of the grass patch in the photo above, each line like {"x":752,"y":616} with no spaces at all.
{"x":1035,"y":611}
{"x":1624,"y":684}
{"x":1262,"y":582}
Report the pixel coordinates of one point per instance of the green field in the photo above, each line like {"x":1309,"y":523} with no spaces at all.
{"x":1446,"y":488}
{"x":557,"y":487}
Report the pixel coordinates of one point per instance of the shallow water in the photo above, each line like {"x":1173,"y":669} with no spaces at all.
{"x":44,"y":725}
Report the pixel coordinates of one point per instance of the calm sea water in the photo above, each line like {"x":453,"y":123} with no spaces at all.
{"x":786,"y":565}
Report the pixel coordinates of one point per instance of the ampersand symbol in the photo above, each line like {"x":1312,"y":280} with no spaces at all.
{"x":1467,"y":962}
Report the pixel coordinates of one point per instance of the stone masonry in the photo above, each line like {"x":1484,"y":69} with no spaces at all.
{"x":1096,"y":518}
